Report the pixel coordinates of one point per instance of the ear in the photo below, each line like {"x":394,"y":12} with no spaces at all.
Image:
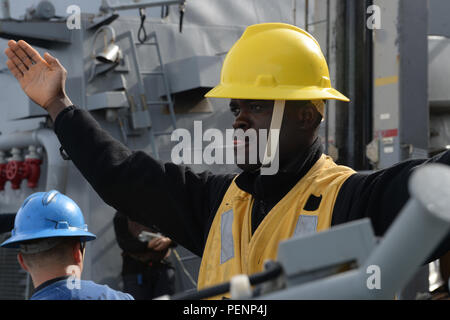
{"x":307,"y":117}
{"x":76,"y":253}
{"x":22,"y":262}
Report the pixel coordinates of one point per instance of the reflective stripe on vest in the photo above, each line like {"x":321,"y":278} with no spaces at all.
{"x":305,"y":224}
{"x":226,"y":236}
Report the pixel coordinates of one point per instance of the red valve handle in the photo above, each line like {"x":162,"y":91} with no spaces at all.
{"x":14,"y":173}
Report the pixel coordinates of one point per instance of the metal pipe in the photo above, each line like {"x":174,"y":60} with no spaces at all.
{"x":367,"y":89}
{"x":107,"y":5}
{"x":56,"y":166}
{"x":350,"y":66}
{"x":272,"y":271}
{"x":16,"y":139}
{"x":421,"y":225}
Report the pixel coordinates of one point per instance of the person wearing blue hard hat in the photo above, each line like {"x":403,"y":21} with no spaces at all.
{"x":50,"y":232}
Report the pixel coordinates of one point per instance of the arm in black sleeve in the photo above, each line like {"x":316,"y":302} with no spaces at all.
{"x":7,"y":222}
{"x":174,"y":198}
{"x":381,"y":195}
{"x":124,"y":238}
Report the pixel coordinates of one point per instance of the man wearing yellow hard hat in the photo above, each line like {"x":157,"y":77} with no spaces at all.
{"x":277,"y":78}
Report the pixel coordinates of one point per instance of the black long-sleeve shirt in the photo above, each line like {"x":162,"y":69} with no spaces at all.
{"x":184,"y":202}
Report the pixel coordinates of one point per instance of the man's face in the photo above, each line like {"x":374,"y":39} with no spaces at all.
{"x":250,"y":115}
{"x":296,"y":132}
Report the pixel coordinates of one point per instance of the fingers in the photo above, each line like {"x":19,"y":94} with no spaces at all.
{"x":30,"y":51}
{"x":20,"y":53}
{"x":14,"y":70}
{"x":158,"y":244}
{"x":52,"y":61}
{"x":157,"y":247}
{"x":16,"y":60}
{"x":152,"y":243}
{"x":162,"y":244}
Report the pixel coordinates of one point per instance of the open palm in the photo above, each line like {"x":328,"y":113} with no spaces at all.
{"x":42,"y":79}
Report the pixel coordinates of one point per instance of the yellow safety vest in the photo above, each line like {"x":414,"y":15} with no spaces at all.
{"x":231,"y":249}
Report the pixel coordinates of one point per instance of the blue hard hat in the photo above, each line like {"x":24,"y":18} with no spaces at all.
{"x":48,"y":215}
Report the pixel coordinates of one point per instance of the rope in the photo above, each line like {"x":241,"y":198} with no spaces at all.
{"x":142,"y":37}
{"x":182,"y":8}
{"x":184,"y":269}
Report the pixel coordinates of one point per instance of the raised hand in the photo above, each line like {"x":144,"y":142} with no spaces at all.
{"x":42,"y":79}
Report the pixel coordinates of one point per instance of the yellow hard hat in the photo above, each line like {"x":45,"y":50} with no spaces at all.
{"x":275,"y":61}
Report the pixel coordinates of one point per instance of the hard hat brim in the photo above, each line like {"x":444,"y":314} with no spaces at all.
{"x":14,"y":241}
{"x":275,"y":93}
